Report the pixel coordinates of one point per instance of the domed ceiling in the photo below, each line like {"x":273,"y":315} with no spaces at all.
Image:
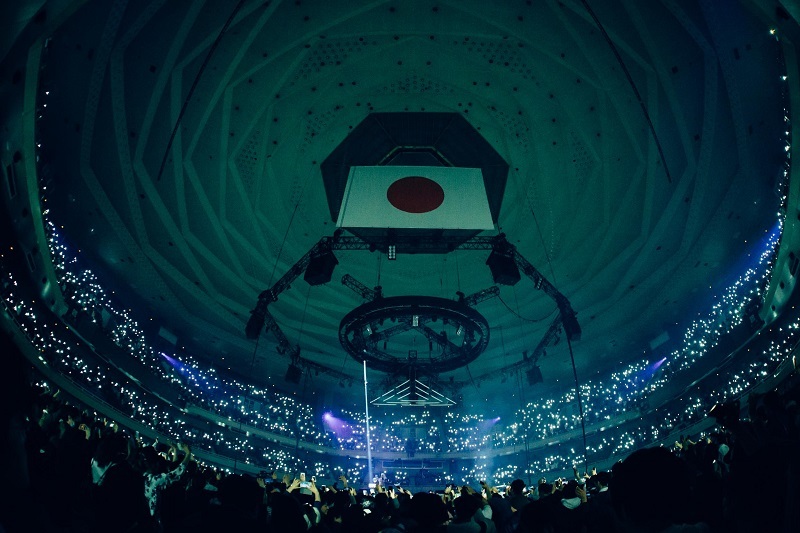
{"x":643,"y":143}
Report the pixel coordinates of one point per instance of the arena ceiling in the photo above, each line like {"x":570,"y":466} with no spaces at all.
{"x":644,"y":141}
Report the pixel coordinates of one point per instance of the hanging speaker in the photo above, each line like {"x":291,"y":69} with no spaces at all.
{"x":320,"y":268}
{"x":293,"y":374}
{"x":534,"y":375}
{"x":504,"y":269}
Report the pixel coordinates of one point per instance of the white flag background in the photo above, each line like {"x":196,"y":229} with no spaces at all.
{"x":415,"y":198}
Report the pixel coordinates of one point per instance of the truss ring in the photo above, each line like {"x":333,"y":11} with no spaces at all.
{"x":366,"y":329}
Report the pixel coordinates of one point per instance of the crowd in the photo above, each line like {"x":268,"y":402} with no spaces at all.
{"x":605,"y":399}
{"x":271,"y":412}
{"x":69,"y":469}
{"x":56,"y":439}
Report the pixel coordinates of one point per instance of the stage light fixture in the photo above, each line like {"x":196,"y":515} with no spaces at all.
{"x":392,"y":252}
{"x":415,"y":320}
{"x":460,"y":330}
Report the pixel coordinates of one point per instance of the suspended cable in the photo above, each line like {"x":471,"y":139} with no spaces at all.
{"x":471,"y":379}
{"x":569,"y":343}
{"x":295,"y":358}
{"x":442,"y":274}
{"x":303,"y":319}
{"x":541,"y":241}
{"x":344,"y":361}
{"x":380,"y":264}
{"x":510,"y":310}
{"x":633,"y":86}
{"x":525,"y":429}
{"x":458,"y":272}
{"x":283,"y":243}
{"x":200,"y":72}
{"x":580,"y":405}
{"x":241,"y":420}
{"x":519,"y":317}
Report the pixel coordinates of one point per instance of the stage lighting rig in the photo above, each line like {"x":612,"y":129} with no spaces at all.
{"x":362,"y":331}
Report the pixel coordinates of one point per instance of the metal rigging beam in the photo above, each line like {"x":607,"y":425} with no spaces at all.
{"x":359,"y":288}
{"x":481,"y":296}
{"x":325,"y":243}
{"x":403,"y":325}
{"x":566,"y":313}
{"x":420,"y":243}
{"x":550,"y":338}
{"x":260,"y":316}
{"x":284,"y":346}
{"x":440,"y":339}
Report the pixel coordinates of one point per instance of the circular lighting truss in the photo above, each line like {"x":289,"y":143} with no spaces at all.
{"x":366,"y":330}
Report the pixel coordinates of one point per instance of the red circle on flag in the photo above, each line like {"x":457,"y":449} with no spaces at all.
{"x":415,"y":194}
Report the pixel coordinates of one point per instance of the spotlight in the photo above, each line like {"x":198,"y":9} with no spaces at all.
{"x":392,"y":252}
{"x":460,"y":330}
{"x":415,"y":320}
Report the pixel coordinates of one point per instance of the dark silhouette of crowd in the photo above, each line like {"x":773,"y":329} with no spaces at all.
{"x":69,"y":469}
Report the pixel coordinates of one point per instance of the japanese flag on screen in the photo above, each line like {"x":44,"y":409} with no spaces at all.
{"x":415,"y":197}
